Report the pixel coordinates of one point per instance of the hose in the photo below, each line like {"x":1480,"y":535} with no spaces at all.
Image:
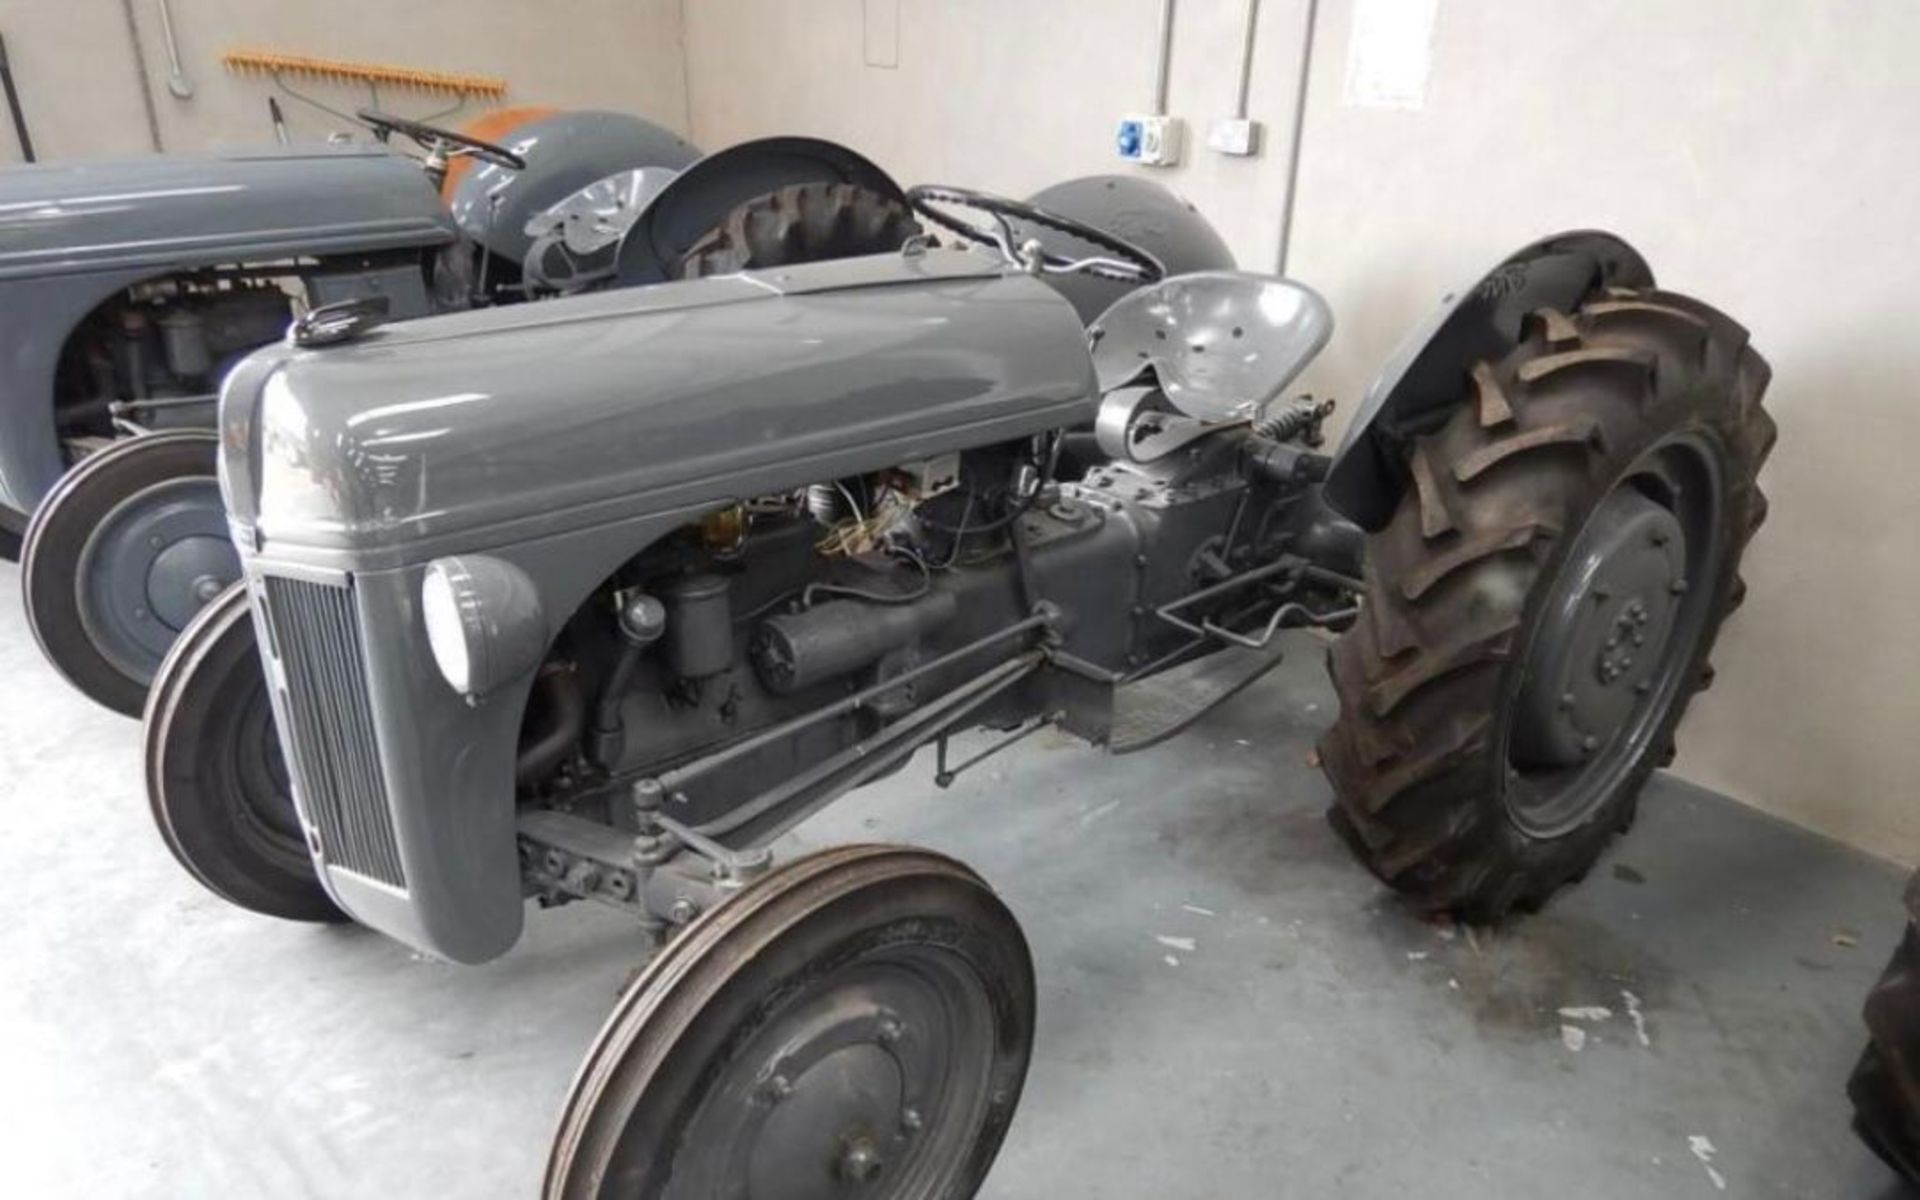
{"x":565,"y":710}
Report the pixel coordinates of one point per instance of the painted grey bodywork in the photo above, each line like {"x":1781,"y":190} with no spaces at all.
{"x":564,"y":153}
{"x":73,"y":235}
{"x":563,"y":438}
{"x":1136,"y":210}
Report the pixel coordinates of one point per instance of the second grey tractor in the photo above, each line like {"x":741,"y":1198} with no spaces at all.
{"x":594,"y":601}
{"x":134,"y":286}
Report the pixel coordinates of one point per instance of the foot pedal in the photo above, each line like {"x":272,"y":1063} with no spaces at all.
{"x":1151,"y":710}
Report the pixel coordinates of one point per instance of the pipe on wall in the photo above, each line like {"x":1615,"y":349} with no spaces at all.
{"x":1299,"y":134}
{"x":1248,"y":33}
{"x":142,"y":77}
{"x":1163,"y":61}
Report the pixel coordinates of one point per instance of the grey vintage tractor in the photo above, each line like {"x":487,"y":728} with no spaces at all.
{"x":136,"y":285}
{"x":594,"y":600}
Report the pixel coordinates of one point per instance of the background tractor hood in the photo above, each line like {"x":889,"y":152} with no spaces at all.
{"x":164,"y":213}
{"x":478,"y":429}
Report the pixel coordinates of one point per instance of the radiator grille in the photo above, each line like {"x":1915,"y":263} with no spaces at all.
{"x":336,"y":756}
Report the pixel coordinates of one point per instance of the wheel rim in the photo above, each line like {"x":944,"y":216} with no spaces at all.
{"x":216,"y":781}
{"x":1620,"y":628}
{"x":856,"y":1024}
{"x":868,"y":1084}
{"x":260,"y":792}
{"x":154,"y":561}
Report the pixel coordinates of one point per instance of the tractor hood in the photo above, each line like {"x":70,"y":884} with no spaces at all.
{"x":164,"y":213}
{"x":476,"y":429}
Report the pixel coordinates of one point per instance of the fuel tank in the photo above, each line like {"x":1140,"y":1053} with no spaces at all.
{"x":436,"y":435}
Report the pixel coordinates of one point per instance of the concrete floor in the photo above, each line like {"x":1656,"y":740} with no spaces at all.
{"x":1312,"y":1040}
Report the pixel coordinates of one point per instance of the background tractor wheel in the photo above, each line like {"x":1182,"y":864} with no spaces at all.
{"x":120,"y":555}
{"x":1540,"y":608}
{"x":216,"y":782}
{"x":801,"y":223}
{"x":856,"y":1023}
{"x":1885,"y":1087}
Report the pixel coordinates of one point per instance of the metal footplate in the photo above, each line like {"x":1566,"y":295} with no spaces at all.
{"x":1149,"y":711}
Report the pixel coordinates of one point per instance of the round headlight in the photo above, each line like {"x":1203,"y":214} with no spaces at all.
{"x":484,"y":622}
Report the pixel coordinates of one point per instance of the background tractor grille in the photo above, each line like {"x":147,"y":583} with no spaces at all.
{"x":336,"y":756}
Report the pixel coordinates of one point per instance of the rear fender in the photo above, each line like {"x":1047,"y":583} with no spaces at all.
{"x":1427,"y":375}
{"x":702,"y":196}
{"x":564,"y":152}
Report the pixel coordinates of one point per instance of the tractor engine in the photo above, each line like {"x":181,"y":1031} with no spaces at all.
{"x":154,"y":355}
{"x":157,"y":353}
{"x":766,"y":612}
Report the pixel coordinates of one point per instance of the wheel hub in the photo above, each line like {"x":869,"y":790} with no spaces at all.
{"x":831,"y":1102}
{"x":841,"y":1093}
{"x":1605,"y":633}
{"x":155,"y":560}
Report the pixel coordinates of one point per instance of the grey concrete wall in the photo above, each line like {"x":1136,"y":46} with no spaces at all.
{"x":1761,"y":155}
{"x":76,"y":67}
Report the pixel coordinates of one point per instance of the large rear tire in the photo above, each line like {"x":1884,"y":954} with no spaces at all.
{"x":216,"y":782}
{"x":120,"y":555}
{"x":1539,"y":610}
{"x":1885,"y":1087}
{"x":801,"y":223}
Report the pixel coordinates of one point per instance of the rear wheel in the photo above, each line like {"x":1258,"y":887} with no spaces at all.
{"x":120,"y":555}
{"x":1885,"y":1087}
{"x":216,"y":781}
{"x":801,"y":223}
{"x":855,"y":1024}
{"x":1540,"y":608}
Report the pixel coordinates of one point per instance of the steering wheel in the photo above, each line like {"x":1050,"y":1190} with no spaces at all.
{"x":435,"y":140}
{"x":1128,"y":264}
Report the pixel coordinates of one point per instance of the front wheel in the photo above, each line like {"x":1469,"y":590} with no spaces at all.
{"x":1540,"y":608}
{"x":120,"y":555}
{"x":216,"y":781}
{"x":855,"y":1024}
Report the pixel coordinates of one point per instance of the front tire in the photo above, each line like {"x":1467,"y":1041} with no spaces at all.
{"x":120,"y":555}
{"x":856,"y":1023}
{"x":216,"y":782}
{"x":1539,"y":609}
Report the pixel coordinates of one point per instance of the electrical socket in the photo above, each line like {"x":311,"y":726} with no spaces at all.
{"x":1151,"y":141}
{"x":1234,"y":135}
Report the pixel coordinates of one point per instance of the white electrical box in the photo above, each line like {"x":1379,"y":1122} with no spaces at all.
{"x":1148,"y":140}
{"x":1234,"y":135}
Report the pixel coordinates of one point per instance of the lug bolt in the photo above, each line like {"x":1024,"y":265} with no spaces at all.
{"x":682,"y":910}
{"x":911,"y":1120}
{"x":1567,"y":701}
{"x":1589,"y":744}
{"x":1679,"y":587}
{"x":890,"y":1030}
{"x":776,"y":1089}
